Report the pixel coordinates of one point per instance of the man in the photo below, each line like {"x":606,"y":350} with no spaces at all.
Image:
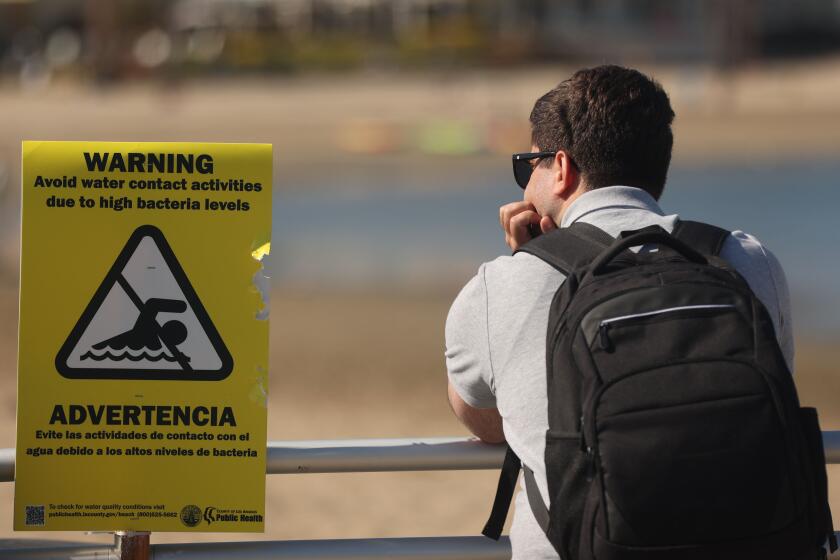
{"x":601,"y":144}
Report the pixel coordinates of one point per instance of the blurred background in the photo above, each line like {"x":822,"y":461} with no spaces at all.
{"x":393,"y":122}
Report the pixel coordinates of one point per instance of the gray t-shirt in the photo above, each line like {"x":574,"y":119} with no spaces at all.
{"x":495,"y":332}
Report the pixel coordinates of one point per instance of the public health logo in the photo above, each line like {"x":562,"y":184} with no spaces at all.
{"x":191,"y":515}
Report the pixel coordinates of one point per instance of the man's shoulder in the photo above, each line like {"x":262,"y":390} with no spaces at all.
{"x":509,"y":277}
{"x":521,"y":273}
{"x":521,"y":263}
{"x":510,"y":285}
{"x":742,"y":248}
{"x":754,"y":260}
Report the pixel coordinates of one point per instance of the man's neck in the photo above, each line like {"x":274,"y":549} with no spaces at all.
{"x":558,"y":215}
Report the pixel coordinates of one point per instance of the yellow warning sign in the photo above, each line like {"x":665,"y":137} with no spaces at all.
{"x":143,"y":341}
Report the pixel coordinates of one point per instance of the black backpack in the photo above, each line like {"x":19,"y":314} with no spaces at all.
{"x":675,"y":430}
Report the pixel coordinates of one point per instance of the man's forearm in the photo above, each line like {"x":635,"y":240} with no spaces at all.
{"x":484,"y":423}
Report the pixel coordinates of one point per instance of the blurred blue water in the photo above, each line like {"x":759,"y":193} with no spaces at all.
{"x":397,"y":234}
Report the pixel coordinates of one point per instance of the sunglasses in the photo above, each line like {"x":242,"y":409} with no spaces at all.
{"x":522,"y":167}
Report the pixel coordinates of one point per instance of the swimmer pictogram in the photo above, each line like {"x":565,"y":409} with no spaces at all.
{"x":145,"y":321}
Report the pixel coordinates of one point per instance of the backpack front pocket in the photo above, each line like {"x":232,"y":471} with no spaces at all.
{"x":674,"y":471}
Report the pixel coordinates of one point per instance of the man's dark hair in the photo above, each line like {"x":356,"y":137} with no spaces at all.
{"x":614,"y":122}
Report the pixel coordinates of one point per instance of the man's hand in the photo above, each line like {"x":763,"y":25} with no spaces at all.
{"x":521,"y":223}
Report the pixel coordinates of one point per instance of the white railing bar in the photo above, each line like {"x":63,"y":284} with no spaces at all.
{"x":379,"y":455}
{"x":7,"y":464}
{"x":416,"y":548}
{"x":56,"y":551}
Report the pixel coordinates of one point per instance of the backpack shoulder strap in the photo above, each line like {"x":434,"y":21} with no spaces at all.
{"x":567,"y":249}
{"x":703,"y":238}
{"x":504,"y":495}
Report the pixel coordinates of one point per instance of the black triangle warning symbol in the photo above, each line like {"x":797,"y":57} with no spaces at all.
{"x":145,"y":321}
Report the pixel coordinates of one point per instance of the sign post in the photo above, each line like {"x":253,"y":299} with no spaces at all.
{"x":143,"y":345}
{"x":132,"y":545}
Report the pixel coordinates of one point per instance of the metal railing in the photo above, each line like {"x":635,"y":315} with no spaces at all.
{"x":417,"y":548}
{"x":335,"y":456}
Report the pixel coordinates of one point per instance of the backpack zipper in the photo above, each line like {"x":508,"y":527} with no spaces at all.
{"x":586,"y":449}
{"x":605,"y":324}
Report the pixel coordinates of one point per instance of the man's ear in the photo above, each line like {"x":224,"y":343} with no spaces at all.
{"x":567,"y":176}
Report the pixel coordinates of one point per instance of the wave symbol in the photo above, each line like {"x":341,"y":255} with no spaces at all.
{"x":127,"y":356}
